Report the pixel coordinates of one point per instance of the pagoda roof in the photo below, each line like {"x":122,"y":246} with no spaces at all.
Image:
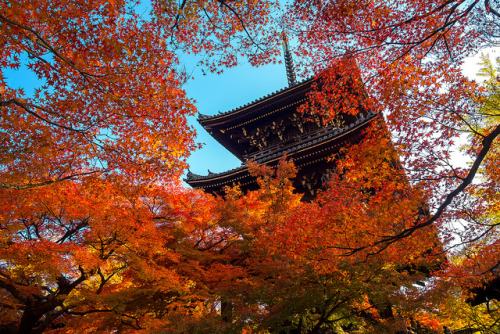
{"x":222,"y":125}
{"x":325,"y":136}
{"x":206,"y":120}
{"x":194,"y":177}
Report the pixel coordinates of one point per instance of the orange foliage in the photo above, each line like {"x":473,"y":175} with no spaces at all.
{"x":96,"y":234}
{"x":409,"y":55}
{"x":306,"y":266}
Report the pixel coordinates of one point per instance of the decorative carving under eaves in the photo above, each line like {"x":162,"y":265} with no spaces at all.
{"x":310,"y":182}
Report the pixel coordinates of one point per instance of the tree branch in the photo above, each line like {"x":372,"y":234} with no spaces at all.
{"x":44,"y":43}
{"x":243,"y":25}
{"x":487,"y":142}
{"x":26,"y":107}
{"x":491,"y":9}
{"x":387,"y":241}
{"x":4,"y":185}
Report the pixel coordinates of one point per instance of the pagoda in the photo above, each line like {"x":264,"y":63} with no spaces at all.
{"x":266,"y":129}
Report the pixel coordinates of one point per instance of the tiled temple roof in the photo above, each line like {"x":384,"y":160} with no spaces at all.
{"x":190,"y":176}
{"x":322,"y":136}
{"x":202,"y":117}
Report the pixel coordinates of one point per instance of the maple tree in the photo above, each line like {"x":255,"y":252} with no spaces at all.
{"x":90,"y":159}
{"x":409,"y":54}
{"x":110,"y":97}
{"x":285,"y":267}
{"x":100,"y":257}
{"x":473,"y":268}
{"x":97,"y":234}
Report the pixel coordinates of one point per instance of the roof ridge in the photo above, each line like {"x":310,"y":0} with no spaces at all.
{"x":202,"y":117}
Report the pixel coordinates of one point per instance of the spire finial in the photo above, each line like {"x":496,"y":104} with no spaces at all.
{"x":290,"y":72}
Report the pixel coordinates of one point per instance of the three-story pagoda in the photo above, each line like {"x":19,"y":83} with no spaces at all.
{"x":268,"y":128}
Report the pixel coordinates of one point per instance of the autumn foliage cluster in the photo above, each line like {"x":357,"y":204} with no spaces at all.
{"x":98,"y":234}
